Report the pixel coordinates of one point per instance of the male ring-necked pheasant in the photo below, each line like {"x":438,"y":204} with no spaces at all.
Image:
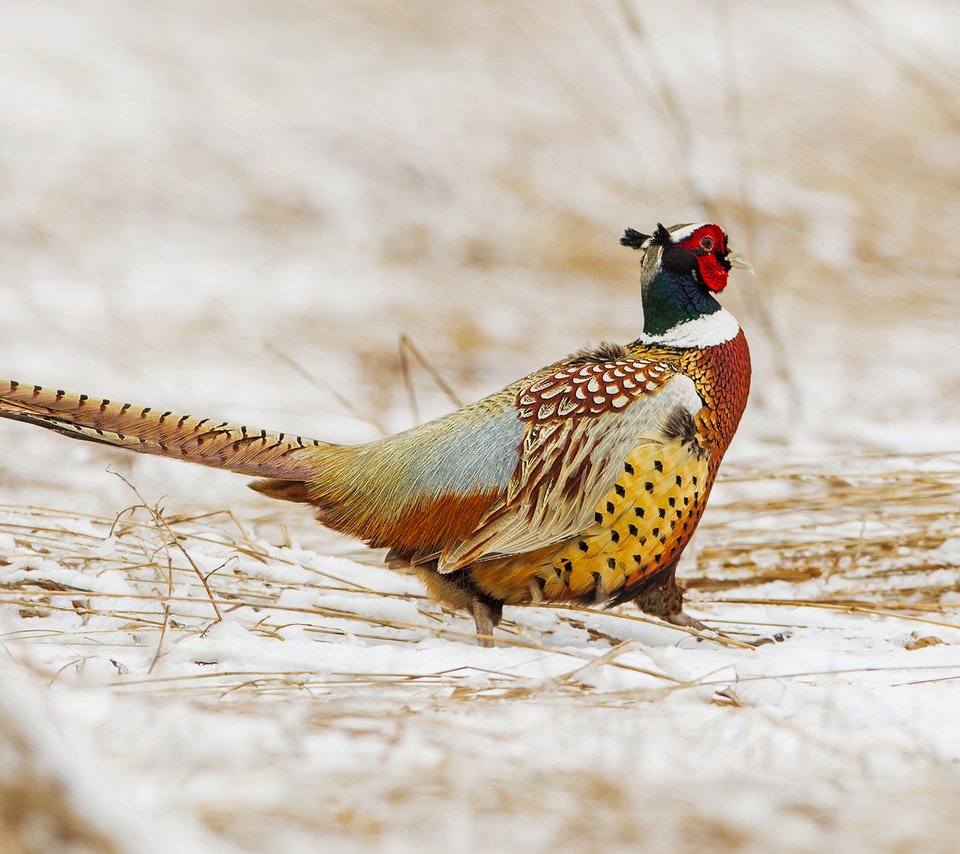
{"x":581,"y":482}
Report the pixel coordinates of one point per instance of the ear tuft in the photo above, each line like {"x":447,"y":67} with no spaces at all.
{"x":633,"y":238}
{"x":661,"y":235}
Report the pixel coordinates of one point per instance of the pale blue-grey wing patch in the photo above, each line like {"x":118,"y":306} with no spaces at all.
{"x":465,"y":455}
{"x":566,"y":465}
{"x":474,"y":450}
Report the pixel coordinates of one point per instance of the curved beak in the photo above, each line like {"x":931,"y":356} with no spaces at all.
{"x":739,"y":261}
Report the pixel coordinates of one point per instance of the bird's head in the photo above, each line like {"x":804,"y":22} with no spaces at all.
{"x":682,"y":268}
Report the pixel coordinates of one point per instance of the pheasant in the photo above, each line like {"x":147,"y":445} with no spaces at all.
{"x":580,"y":483}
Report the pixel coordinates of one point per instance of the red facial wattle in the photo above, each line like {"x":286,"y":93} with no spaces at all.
{"x":709,"y":245}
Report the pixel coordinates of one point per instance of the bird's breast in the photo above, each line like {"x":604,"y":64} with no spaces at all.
{"x":721,"y":375}
{"x":639,"y":527}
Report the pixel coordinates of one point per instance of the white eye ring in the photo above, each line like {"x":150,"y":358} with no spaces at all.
{"x":706,"y":242}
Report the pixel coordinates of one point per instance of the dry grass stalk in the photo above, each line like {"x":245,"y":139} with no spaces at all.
{"x":175,"y":540}
{"x":812,"y":528}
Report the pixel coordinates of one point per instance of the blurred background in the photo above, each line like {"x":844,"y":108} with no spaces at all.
{"x":240,"y":207}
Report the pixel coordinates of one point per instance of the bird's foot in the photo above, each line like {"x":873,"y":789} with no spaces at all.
{"x":704,"y":632}
{"x":779,"y":637}
{"x":663,"y":598}
{"x":682,"y":618}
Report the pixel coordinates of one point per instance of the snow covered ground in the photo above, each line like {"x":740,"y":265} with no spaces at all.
{"x":238,"y":209}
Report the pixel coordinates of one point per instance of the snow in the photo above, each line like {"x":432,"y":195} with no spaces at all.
{"x":238,"y":212}
{"x":334,"y":704}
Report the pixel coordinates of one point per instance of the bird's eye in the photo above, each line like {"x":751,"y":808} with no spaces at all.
{"x":706,"y":243}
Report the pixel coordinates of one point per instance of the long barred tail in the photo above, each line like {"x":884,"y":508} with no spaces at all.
{"x":198,"y":440}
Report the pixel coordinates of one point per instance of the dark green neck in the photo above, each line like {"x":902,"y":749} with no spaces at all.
{"x":672,"y":298}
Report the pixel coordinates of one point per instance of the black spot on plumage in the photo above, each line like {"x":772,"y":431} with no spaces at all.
{"x":615,"y":536}
{"x":598,"y":516}
{"x":567,"y":564}
{"x":620,"y":490}
{"x":695,"y":480}
{"x":610,"y":507}
{"x":638,"y":558}
{"x":662,"y":512}
{"x":679,"y":480}
{"x":648,"y":486}
{"x":612,"y":562}
{"x":643,"y":541}
{"x":558,"y":571}
{"x":656,"y":532}
{"x":672,"y":501}
{"x":628,"y":468}
{"x":658,"y":465}
{"x":632,"y":529}
{"x":639,"y":511}
{"x":583,"y":546}
{"x":663,"y":539}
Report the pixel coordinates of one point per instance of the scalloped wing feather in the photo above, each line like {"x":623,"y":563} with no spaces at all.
{"x":573,"y":447}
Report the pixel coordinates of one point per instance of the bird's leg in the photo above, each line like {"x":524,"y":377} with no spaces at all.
{"x":457,"y":591}
{"x":663,"y":598}
{"x":486,"y":614}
